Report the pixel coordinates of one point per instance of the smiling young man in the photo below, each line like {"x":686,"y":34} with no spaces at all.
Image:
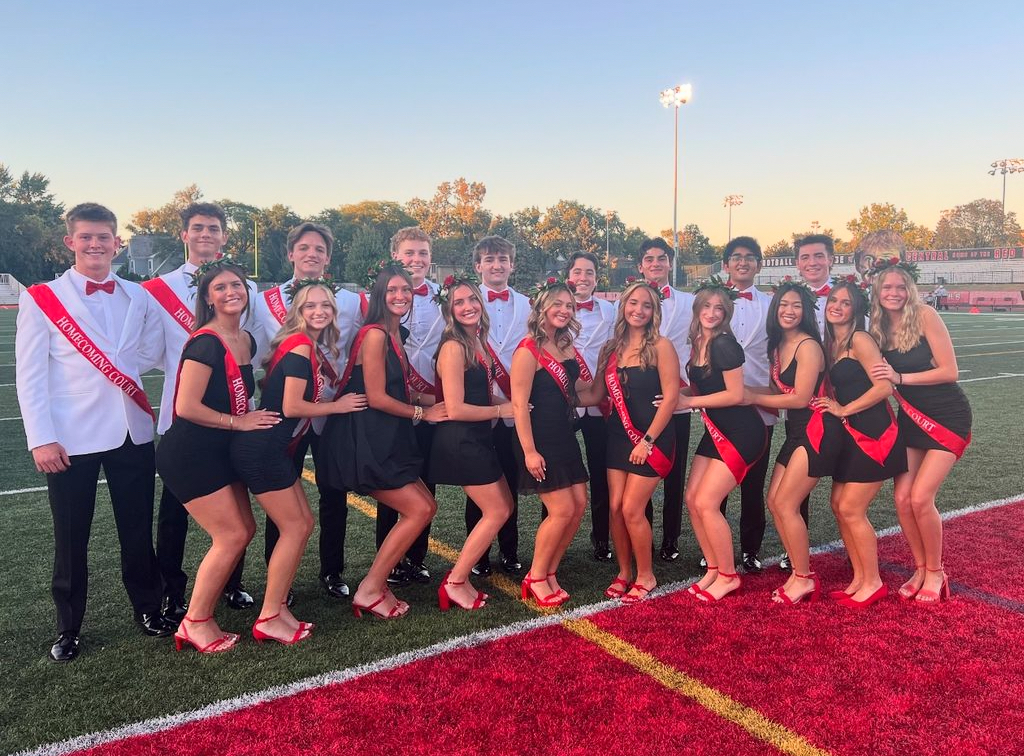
{"x":411,"y":248}
{"x":309,"y":248}
{"x":204,"y":233}
{"x":82,"y":344}
{"x":814,"y":257}
{"x":655,"y":266}
{"x":741,"y":260}
{"x":494,"y":260}
{"x":597,"y":319}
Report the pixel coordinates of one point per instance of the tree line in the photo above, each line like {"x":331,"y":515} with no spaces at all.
{"x":31,"y":230}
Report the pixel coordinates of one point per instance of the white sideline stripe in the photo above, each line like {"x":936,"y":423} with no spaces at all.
{"x":992,"y":377}
{"x":226,"y":706}
{"x":991,"y":343}
{"x":37,"y":489}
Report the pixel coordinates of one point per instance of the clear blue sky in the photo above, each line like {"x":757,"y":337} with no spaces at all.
{"x":810,"y":110}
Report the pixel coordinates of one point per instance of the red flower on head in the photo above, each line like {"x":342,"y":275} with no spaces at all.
{"x":552,"y":280}
{"x":894,"y":260}
{"x":788,"y":278}
{"x":448,"y":281}
{"x":571,"y":285}
{"x":851,"y":278}
{"x":630,"y":279}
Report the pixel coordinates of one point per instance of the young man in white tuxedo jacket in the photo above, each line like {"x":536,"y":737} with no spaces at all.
{"x":654,"y":264}
{"x":411,"y":248}
{"x":309,"y":247}
{"x":741,"y":260}
{"x":204,"y":233}
{"x":597,"y":319}
{"x":82,"y":344}
{"x":494,"y":260}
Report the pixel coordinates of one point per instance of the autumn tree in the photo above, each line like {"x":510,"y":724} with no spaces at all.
{"x":455,"y":211}
{"x":886,"y":217}
{"x":980,"y":223}
{"x":781,"y":248}
{"x":164,"y":223}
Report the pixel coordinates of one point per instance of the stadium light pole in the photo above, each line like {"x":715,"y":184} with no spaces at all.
{"x":731,"y":201}
{"x":607,"y":236}
{"x":1007,"y":165}
{"x":674,"y":98}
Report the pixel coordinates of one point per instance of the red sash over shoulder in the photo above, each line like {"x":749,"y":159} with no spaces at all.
{"x":550,"y":364}
{"x":238,"y":394}
{"x":501,"y":376}
{"x":588,"y":377}
{"x":286,"y":346}
{"x":816,"y":425}
{"x":357,"y":342}
{"x":726,"y":449}
{"x":933,"y":428}
{"x":275,"y":303}
{"x":656,"y":459}
{"x":166,"y":298}
{"x":54,"y":309}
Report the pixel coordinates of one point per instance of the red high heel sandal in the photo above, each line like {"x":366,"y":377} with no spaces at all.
{"x":612,"y":591}
{"x":260,"y":636}
{"x":628,"y":599}
{"x":874,"y":598}
{"x":395,"y":613}
{"x":811,"y":595}
{"x":223,"y":643}
{"x":926,"y":597}
{"x":694,"y":589}
{"x":708,"y":599}
{"x":302,"y":625}
{"x":554,"y":599}
{"x":907,"y":593}
{"x":445,"y":601}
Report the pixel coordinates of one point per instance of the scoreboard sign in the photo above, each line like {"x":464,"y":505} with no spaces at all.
{"x":964,"y":255}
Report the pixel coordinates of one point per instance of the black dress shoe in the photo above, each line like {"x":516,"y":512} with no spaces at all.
{"x":784,"y":564}
{"x":416,"y":571}
{"x":66,"y":648}
{"x":601,"y":551}
{"x":289,"y":600}
{"x":669,"y":552}
{"x":238,"y":598}
{"x":482,"y":568}
{"x":399,"y":575}
{"x":173,"y":609}
{"x":154,"y":625}
{"x":334,"y":585}
{"x":511,"y":564}
{"x":751,"y":564}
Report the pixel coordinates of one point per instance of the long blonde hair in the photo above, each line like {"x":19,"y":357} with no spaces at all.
{"x":696,"y":338}
{"x":293,"y":323}
{"x":907,"y":332}
{"x":620,"y":332}
{"x":564,"y":337}
{"x":454,"y":331}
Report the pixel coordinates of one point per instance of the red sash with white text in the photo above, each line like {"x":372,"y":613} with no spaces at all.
{"x":550,"y":364}
{"x":816,"y":425}
{"x":876,"y":448}
{"x":934,"y":429}
{"x":286,"y":346}
{"x":238,"y":394}
{"x":656,"y":459}
{"x":54,"y":309}
{"x":501,"y":376}
{"x":357,"y":343}
{"x":588,"y":377}
{"x":275,"y":303}
{"x":166,"y":298}
{"x":726,"y":449}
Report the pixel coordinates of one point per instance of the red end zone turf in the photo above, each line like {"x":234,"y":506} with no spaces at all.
{"x":893,"y":679}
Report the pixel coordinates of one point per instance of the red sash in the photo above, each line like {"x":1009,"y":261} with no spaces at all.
{"x":167,"y":299}
{"x":358,"y":342}
{"x":237,"y":392}
{"x":54,"y":309}
{"x":420,"y":384}
{"x":588,"y":377}
{"x":656,"y":459}
{"x":726,"y":449}
{"x":364,"y":303}
{"x":275,"y":303}
{"x":501,"y":375}
{"x":876,"y":448}
{"x":933,"y":428}
{"x":549,"y":363}
{"x":299,"y":339}
{"x":816,"y":425}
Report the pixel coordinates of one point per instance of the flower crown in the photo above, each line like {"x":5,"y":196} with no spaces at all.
{"x":882,"y":264}
{"x":451,"y":281}
{"x":659,"y":292}
{"x":549,"y":283}
{"x":300,"y":283}
{"x":377,"y":267}
{"x":714,"y":283}
{"x":801,"y":287}
{"x":209,"y":265}
{"x":861,"y":287}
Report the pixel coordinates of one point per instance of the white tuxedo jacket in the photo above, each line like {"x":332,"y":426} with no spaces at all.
{"x":749,"y":326}
{"x":63,"y":397}
{"x":512,"y":329}
{"x":676,"y":316}
{"x":595,"y":330}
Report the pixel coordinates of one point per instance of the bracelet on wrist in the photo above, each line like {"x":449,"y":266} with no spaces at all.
{"x":417,"y":414}
{"x":231,"y":422}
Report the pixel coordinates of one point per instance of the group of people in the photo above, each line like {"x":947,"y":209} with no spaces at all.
{"x":470,"y":383}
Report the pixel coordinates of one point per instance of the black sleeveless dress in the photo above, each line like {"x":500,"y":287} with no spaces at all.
{"x":260,"y":457}
{"x":370,"y":450}
{"x":553,"y":421}
{"x":796,"y":419}
{"x":841,"y":457}
{"x":742,"y":425}
{"x":639,"y":387}
{"x":463,"y":452}
{"x":194,"y":460}
{"x":944,"y":403}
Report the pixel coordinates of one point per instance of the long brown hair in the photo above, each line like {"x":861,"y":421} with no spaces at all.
{"x":293,"y":323}
{"x":620,"y":332}
{"x":696,"y":334}
{"x":454,"y":331}
{"x":564,"y":337}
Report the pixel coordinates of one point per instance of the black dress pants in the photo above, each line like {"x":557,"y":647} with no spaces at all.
{"x":505,"y":442}
{"x":675,"y":483}
{"x":595,"y":441}
{"x":752,"y":513}
{"x":130,"y":470}
{"x":387,"y":517}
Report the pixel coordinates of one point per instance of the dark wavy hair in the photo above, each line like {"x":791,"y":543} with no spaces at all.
{"x":860,"y":311}
{"x":808,"y":323}
{"x":377,"y":310}
{"x":204,"y":312}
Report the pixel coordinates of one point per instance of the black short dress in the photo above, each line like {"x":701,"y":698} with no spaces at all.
{"x":841,"y":458}
{"x":796,"y":419}
{"x":193,"y":460}
{"x":639,"y":387}
{"x":741,"y":424}
{"x":463,"y":452}
{"x":260,"y":457}
{"x":945,"y":403}
{"x":370,"y":450}
{"x":553,"y":421}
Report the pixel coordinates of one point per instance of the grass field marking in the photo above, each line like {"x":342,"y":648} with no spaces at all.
{"x":751,"y":720}
{"x":991,"y":377}
{"x":37,"y":489}
{"x":990,"y":343}
{"x":987,"y":354}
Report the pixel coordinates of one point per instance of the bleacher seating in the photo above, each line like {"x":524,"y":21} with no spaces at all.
{"x":10,"y":290}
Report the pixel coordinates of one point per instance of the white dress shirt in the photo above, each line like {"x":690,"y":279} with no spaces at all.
{"x":425,"y":324}
{"x":819,"y":314}
{"x":749,"y":326}
{"x":596,"y":330}
{"x":508,"y":328}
